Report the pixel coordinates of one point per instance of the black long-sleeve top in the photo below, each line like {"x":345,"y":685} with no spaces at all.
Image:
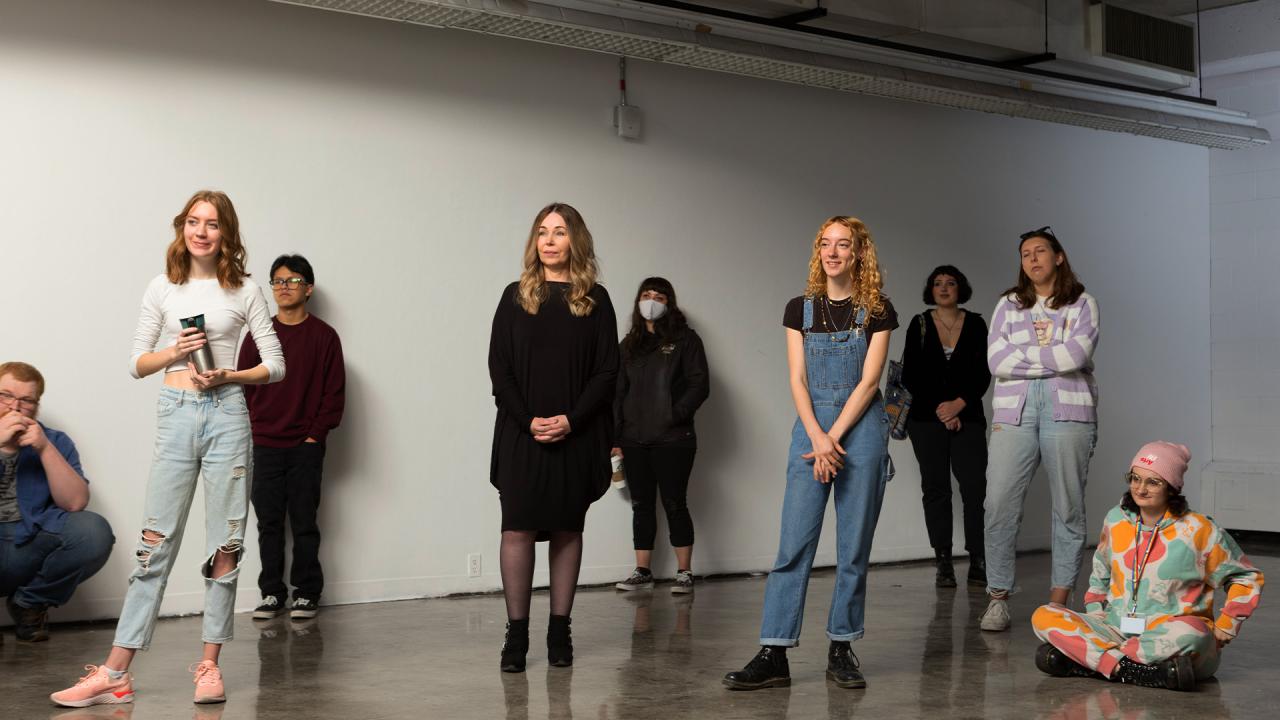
{"x":932,"y":379}
{"x":547,"y":364}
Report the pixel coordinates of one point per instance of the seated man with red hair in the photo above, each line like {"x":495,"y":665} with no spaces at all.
{"x":49,"y":544}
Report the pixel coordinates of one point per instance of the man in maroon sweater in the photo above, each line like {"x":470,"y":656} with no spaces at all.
{"x":290,"y":421}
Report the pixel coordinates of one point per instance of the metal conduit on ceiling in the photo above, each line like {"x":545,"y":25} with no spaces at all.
{"x":639,"y":39}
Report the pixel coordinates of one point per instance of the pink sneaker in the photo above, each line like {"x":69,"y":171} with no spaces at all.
{"x":208,"y":682}
{"x":96,"y":688}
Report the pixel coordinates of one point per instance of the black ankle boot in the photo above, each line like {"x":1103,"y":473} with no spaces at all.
{"x":842,"y":665}
{"x":559,"y":643}
{"x":1173,"y":674}
{"x":516,"y":646}
{"x":977,"y":570}
{"x":1052,"y":661}
{"x":768,"y":668}
{"x":946,"y":575}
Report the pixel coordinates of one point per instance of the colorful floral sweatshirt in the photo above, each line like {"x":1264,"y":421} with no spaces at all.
{"x":1191,"y":558}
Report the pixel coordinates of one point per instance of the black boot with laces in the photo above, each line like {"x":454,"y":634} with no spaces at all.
{"x":1052,"y":661}
{"x":946,"y":575}
{"x":1173,"y":674}
{"x":769,"y":668}
{"x":842,"y":666}
{"x":516,"y":646}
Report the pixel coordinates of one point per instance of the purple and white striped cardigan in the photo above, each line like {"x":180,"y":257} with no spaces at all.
{"x":1015,"y":358}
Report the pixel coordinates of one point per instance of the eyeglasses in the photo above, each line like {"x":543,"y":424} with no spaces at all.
{"x":1045,"y":231}
{"x":292,"y":283}
{"x":1152,"y":484}
{"x":14,"y":401}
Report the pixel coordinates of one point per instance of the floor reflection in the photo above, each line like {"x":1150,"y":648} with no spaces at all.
{"x":290,"y":653}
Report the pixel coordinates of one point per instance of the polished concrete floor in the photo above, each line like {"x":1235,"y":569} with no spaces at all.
{"x":646,"y":655}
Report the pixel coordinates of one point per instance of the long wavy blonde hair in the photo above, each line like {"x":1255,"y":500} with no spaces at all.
{"x":231,"y":252}
{"x":867,"y":281}
{"x":583,"y":268}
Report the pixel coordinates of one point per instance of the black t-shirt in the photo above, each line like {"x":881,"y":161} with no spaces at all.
{"x":836,"y":316}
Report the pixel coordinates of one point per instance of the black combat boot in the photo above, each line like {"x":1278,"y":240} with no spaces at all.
{"x":516,"y":646}
{"x":768,"y":668}
{"x":842,"y":666}
{"x":559,"y":644}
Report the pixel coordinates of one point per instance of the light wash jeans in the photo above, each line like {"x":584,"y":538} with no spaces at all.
{"x":197,"y":435}
{"x":1064,"y":448}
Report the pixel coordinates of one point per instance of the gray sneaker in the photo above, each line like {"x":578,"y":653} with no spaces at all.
{"x":996,"y":617}
{"x":683,"y":583}
{"x":637,"y":581}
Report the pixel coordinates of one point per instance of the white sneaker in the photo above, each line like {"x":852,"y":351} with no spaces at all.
{"x":996,"y":617}
{"x":637,"y":581}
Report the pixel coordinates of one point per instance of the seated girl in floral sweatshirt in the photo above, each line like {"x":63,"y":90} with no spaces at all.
{"x":1149,"y":616}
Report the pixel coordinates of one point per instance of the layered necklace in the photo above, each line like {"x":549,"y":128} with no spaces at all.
{"x":829,"y":320}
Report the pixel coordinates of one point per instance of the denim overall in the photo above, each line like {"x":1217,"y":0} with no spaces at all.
{"x":833,"y":366}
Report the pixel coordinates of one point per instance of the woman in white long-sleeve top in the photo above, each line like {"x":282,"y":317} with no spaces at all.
{"x":202,"y":429}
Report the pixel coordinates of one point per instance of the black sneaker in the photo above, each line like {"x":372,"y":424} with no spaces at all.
{"x":303,"y":608}
{"x":29,"y":624}
{"x":639,"y":580}
{"x":1173,"y":674}
{"x":1052,"y":661}
{"x":769,"y":668}
{"x":977,"y":571}
{"x":842,"y":666}
{"x":683,"y":584}
{"x":271,"y":606}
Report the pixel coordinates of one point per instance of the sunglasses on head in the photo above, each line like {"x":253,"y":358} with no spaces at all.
{"x":1045,"y":231}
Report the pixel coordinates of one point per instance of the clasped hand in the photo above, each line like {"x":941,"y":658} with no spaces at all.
{"x":18,"y":430}
{"x":549,"y":430}
{"x":827,"y":456}
{"x":189,"y":341}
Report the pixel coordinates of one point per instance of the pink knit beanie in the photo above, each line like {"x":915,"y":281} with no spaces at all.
{"x":1167,"y":460}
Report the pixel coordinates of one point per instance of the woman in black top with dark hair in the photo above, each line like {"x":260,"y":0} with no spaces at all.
{"x":662,"y":382}
{"x":946,"y":372}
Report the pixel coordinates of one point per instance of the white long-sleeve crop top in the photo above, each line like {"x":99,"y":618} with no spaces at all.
{"x":226,"y":312}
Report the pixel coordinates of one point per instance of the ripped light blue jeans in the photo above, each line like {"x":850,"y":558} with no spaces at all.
{"x":197,"y":435}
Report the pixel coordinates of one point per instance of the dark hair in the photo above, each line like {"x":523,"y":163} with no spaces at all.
{"x":966,"y":291}
{"x":296,"y":263}
{"x":1177,"y":502}
{"x":1067,"y":288}
{"x":671,"y":326}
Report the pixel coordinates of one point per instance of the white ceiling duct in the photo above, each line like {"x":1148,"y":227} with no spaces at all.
{"x":1070,"y":104}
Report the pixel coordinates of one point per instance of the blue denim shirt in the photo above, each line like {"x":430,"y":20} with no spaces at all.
{"x":39,"y":512}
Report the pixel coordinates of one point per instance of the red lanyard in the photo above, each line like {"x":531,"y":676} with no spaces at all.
{"x":1138,"y":570}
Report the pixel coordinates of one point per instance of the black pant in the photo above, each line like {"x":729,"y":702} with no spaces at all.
{"x":286,"y":481}
{"x":939,"y":453}
{"x":650,"y":469}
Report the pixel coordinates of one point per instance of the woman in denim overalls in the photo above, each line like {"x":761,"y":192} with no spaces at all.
{"x":837,"y":339}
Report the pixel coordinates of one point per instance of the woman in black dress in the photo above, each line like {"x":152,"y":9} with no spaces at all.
{"x":553,"y":358}
{"x":946,"y":371}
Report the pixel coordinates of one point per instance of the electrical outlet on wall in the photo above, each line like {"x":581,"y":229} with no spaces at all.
{"x":473,"y":565}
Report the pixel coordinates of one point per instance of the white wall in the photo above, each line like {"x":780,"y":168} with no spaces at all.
{"x":407,"y":164}
{"x":1244,"y":479}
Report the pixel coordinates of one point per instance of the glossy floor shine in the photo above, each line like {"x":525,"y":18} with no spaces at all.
{"x":644,"y":655}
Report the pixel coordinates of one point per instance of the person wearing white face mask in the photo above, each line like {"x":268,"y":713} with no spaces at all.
{"x":661,"y":384}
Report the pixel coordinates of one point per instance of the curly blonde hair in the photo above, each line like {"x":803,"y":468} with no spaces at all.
{"x":583,"y":269}
{"x":867,"y":280}
{"x":231,"y":253}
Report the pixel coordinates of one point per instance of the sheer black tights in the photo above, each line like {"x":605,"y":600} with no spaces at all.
{"x":516,"y":559}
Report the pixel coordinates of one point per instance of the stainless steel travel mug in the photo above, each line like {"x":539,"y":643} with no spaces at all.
{"x":202,"y":358}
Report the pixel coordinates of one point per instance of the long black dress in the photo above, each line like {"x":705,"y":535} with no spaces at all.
{"x":544,"y":365}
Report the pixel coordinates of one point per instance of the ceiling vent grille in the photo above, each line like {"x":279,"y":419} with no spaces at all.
{"x":540,"y":22}
{"x":1160,"y":42}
